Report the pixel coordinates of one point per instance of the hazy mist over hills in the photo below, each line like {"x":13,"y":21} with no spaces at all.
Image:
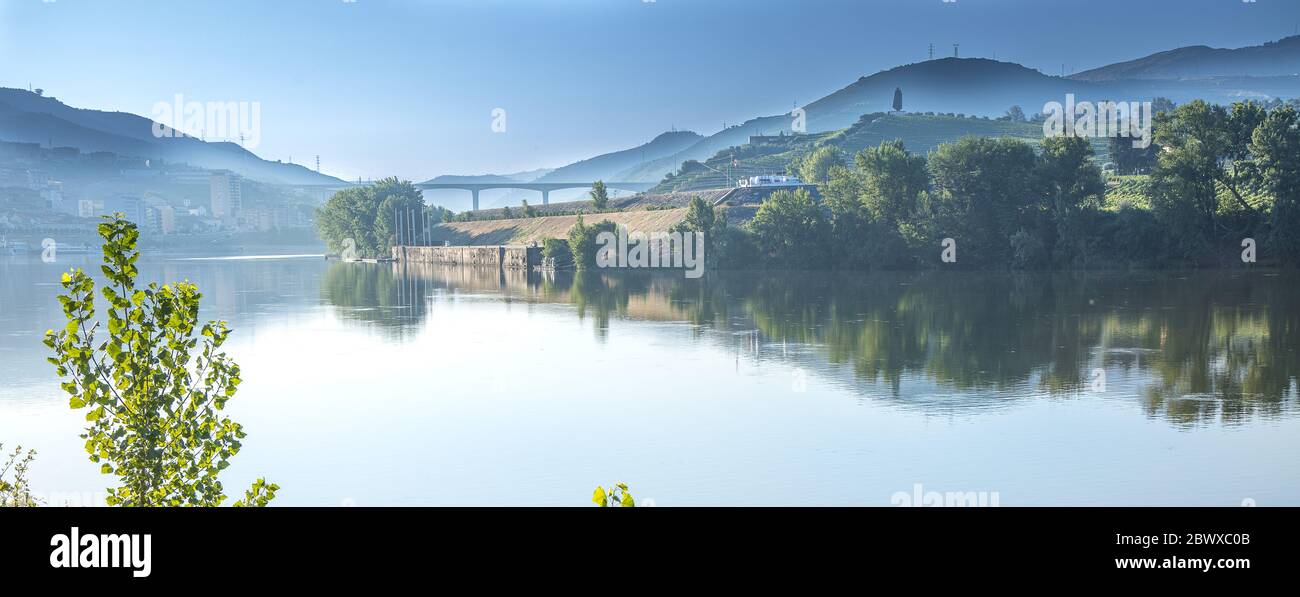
{"x":972,"y":86}
{"x":622,"y":163}
{"x":26,"y":117}
{"x":1272,"y":59}
{"x":578,"y":78}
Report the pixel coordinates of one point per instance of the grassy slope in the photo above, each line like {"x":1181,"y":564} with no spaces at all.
{"x":527,"y":230}
{"x":634,"y":202}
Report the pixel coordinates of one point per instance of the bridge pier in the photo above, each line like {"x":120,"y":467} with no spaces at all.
{"x":546,"y":197}
{"x":475,"y":193}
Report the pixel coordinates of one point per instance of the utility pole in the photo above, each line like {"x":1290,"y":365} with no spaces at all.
{"x":931,"y":51}
{"x":954,"y":50}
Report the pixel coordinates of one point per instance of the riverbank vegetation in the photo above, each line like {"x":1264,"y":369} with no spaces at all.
{"x":582,"y":241}
{"x":1224,"y":179}
{"x":15,"y":490}
{"x":373,"y":217}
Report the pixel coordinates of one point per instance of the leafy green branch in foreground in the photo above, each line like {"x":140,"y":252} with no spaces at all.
{"x":154,"y":390}
{"x":616,"y":497}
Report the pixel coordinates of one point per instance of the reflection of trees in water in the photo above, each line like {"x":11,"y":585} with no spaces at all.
{"x":962,"y":331}
{"x":1228,"y":347}
{"x":1209,"y":346}
{"x":381,"y":295}
{"x":638,"y":295}
{"x":1215,"y":345}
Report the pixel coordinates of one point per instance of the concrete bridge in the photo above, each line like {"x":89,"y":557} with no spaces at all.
{"x":544,"y":188}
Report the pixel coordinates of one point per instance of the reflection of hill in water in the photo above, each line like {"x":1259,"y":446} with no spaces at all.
{"x":1199,"y":347}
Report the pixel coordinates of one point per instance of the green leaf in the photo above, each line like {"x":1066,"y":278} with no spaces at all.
{"x":599,"y":496}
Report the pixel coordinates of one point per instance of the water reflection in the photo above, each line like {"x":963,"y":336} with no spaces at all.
{"x":387,"y":298}
{"x":1193,"y":348}
{"x":249,"y":293}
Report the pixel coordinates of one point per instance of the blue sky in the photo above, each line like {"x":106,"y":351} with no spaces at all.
{"x":407,"y":87}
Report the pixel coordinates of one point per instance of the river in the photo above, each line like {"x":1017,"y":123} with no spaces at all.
{"x":378,"y":384}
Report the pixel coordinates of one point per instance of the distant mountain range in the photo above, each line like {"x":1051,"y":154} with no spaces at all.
{"x":972,"y":86}
{"x":605,"y":166}
{"x":26,"y":117}
{"x":975,"y":86}
{"x":982,"y":87}
{"x":1274,"y":59}
{"x":480,"y":178}
{"x":612,"y":165}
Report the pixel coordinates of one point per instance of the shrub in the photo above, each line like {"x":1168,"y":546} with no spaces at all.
{"x":15,"y":492}
{"x":582,"y":241}
{"x":557,"y":251}
{"x":735,"y":249}
{"x":617,"y":496}
{"x":791,"y":231}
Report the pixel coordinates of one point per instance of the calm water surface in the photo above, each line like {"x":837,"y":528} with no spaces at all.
{"x":378,"y":385}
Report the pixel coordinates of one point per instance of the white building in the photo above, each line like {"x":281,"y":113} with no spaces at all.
{"x":772,"y":180}
{"x":167,"y":219}
{"x":227,"y":197}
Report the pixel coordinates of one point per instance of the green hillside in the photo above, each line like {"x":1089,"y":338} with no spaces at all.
{"x":773,"y":154}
